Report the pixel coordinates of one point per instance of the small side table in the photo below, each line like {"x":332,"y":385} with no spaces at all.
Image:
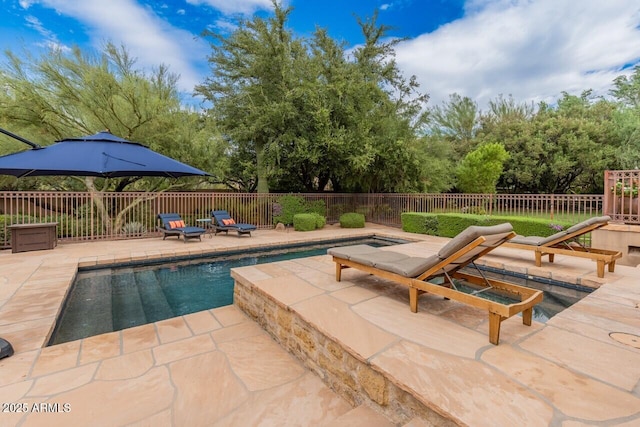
{"x":206,"y":224}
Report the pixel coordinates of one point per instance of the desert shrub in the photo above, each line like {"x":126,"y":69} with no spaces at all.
{"x":304,"y":222}
{"x":352,"y":220}
{"x":289,"y":205}
{"x":5,"y":232}
{"x":134,"y":228}
{"x":320,"y":220}
{"x":317,"y":206}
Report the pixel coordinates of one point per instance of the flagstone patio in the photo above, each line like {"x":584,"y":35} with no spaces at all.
{"x":220,"y":368}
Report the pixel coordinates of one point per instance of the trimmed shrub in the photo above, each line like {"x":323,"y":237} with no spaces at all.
{"x":290,"y":205}
{"x":451,"y":224}
{"x":416,"y":222}
{"x":352,"y":220}
{"x":304,"y":222}
{"x":286,"y":208}
{"x":320,"y":220}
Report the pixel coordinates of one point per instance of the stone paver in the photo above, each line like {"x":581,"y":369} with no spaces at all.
{"x":219,"y":368}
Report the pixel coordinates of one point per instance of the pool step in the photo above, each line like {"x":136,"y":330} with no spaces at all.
{"x":154,"y":302}
{"x":91,"y":313}
{"x":127,"y":305}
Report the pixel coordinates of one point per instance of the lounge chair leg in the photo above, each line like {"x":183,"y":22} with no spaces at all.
{"x":539,"y":258}
{"x":527,"y":316}
{"x":338,"y":271}
{"x":413,"y":299}
{"x":551,"y":256}
{"x":600,"y":267}
{"x":612,"y":266}
{"x":494,"y":328}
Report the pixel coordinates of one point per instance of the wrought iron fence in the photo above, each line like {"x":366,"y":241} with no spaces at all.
{"x":621,"y":200}
{"x":85,"y":216}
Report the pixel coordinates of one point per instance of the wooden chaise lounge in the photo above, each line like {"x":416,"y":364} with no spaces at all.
{"x":566,"y":243}
{"x":417,"y":273}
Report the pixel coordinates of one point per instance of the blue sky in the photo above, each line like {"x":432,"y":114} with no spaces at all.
{"x":531,"y":49}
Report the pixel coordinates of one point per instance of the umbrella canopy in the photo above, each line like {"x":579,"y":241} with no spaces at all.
{"x":103,"y":155}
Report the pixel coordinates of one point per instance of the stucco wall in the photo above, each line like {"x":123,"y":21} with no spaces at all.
{"x":620,"y":237}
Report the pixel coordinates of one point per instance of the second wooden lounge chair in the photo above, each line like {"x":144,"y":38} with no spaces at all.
{"x":566,"y":243}
{"x":417,"y":273}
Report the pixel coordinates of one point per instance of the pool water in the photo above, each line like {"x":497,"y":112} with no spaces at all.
{"x":113,"y":299}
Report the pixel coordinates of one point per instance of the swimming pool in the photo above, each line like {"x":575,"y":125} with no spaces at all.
{"x":111,"y":299}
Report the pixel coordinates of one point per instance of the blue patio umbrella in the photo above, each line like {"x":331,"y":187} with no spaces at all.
{"x":101,"y":155}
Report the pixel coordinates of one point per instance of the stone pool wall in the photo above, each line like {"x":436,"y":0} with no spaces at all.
{"x":350,"y":376}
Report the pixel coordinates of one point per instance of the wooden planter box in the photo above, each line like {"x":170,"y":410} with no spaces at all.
{"x":33,"y":237}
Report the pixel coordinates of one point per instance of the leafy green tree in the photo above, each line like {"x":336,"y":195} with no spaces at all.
{"x":626,"y":119}
{"x":251,"y":83}
{"x":311,"y":118}
{"x":556,"y":150}
{"x":480,"y":170}
{"x":62,"y":95}
{"x":456,"y":122}
{"x":626,"y":89}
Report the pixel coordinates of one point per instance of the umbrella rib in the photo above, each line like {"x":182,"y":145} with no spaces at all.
{"x":122,"y":160}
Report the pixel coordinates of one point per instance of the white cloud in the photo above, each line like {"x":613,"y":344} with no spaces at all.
{"x":532,"y":50}
{"x":146,"y":36}
{"x":230,"y":7}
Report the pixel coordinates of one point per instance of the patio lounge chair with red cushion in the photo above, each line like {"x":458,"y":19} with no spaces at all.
{"x":418,"y":273}
{"x":223,"y":222}
{"x":566,"y":243}
{"x":173,"y":225}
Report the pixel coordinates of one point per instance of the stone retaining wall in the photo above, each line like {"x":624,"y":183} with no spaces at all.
{"x":350,"y":376}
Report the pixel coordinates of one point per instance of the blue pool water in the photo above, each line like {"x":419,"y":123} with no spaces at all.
{"x":113,"y":299}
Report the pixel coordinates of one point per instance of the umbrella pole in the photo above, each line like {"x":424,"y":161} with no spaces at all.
{"x":21,"y":139}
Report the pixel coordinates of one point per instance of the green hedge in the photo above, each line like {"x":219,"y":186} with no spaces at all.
{"x":352,"y":220}
{"x":304,"y":222}
{"x":450,"y":224}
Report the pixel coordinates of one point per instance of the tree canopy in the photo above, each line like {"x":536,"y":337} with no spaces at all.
{"x":287,"y":113}
{"x":312,"y":116}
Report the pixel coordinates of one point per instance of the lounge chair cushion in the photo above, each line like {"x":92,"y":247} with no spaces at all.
{"x":374,"y":259}
{"x":588,"y":222}
{"x":529,"y":240}
{"x":222,"y":221}
{"x":473,"y":232}
{"x":346,"y":252}
{"x":411,"y":266}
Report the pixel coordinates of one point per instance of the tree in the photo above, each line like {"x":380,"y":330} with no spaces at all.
{"x":311,"y":118}
{"x":456,"y":122}
{"x":626,"y":119}
{"x":250,"y":84}
{"x":480,"y":170}
{"x":62,"y":95}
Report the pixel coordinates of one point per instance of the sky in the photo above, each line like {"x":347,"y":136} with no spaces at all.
{"x":533,"y":50}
